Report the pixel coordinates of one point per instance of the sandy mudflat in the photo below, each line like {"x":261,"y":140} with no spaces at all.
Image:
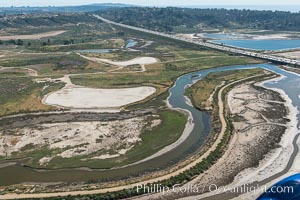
{"x":142,"y":61}
{"x":33,"y":36}
{"x":254,"y":128}
{"x":135,"y":61}
{"x":277,"y":159}
{"x":84,"y":98}
{"x":271,"y":36}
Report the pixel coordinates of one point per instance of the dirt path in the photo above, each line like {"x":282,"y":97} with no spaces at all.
{"x":110,"y":63}
{"x":164,"y":177}
{"x":33,"y":36}
{"x":97,"y":60}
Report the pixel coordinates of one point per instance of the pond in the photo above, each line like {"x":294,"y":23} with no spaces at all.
{"x":263,"y":44}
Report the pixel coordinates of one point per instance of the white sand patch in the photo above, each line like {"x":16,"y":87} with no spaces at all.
{"x":102,"y":157}
{"x":135,"y":61}
{"x":45,"y":160}
{"x":85,"y":98}
{"x":188,"y":101}
{"x":190,"y":36}
{"x":148,"y":43}
{"x":33,"y":36}
{"x":271,"y":36}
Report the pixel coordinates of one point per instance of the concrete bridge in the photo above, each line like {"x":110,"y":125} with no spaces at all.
{"x":272,"y":58}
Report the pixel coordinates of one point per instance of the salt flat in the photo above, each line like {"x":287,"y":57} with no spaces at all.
{"x":84,"y":98}
{"x":135,"y":61}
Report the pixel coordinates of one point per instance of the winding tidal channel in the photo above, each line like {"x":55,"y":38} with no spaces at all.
{"x":17,"y":173}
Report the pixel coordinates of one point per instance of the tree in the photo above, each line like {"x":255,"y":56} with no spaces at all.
{"x":166,"y":19}
{"x":120,"y":33}
{"x":66,"y":42}
{"x":19,"y":42}
{"x":11,"y":42}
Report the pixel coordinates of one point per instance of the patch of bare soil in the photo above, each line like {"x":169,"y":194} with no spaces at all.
{"x":290,"y":54}
{"x":95,"y":140}
{"x":33,"y":36}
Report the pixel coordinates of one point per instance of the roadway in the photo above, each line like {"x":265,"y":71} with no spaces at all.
{"x":230,"y":49}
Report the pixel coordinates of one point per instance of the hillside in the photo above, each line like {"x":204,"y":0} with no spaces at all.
{"x":168,"y":19}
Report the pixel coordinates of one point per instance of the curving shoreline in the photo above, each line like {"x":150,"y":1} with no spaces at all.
{"x":264,"y":173}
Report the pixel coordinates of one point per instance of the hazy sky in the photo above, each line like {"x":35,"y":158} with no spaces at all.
{"x":147,"y":2}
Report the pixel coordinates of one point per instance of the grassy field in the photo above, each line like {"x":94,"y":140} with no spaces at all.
{"x":55,"y":64}
{"x":12,"y":74}
{"x":24,"y":95}
{"x":170,"y":129}
{"x":162,"y":73}
{"x":98,"y":44}
{"x":175,"y":61}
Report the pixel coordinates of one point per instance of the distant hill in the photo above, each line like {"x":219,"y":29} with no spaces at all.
{"x":111,"y":5}
{"x":171,"y":19}
{"x":82,"y":8}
